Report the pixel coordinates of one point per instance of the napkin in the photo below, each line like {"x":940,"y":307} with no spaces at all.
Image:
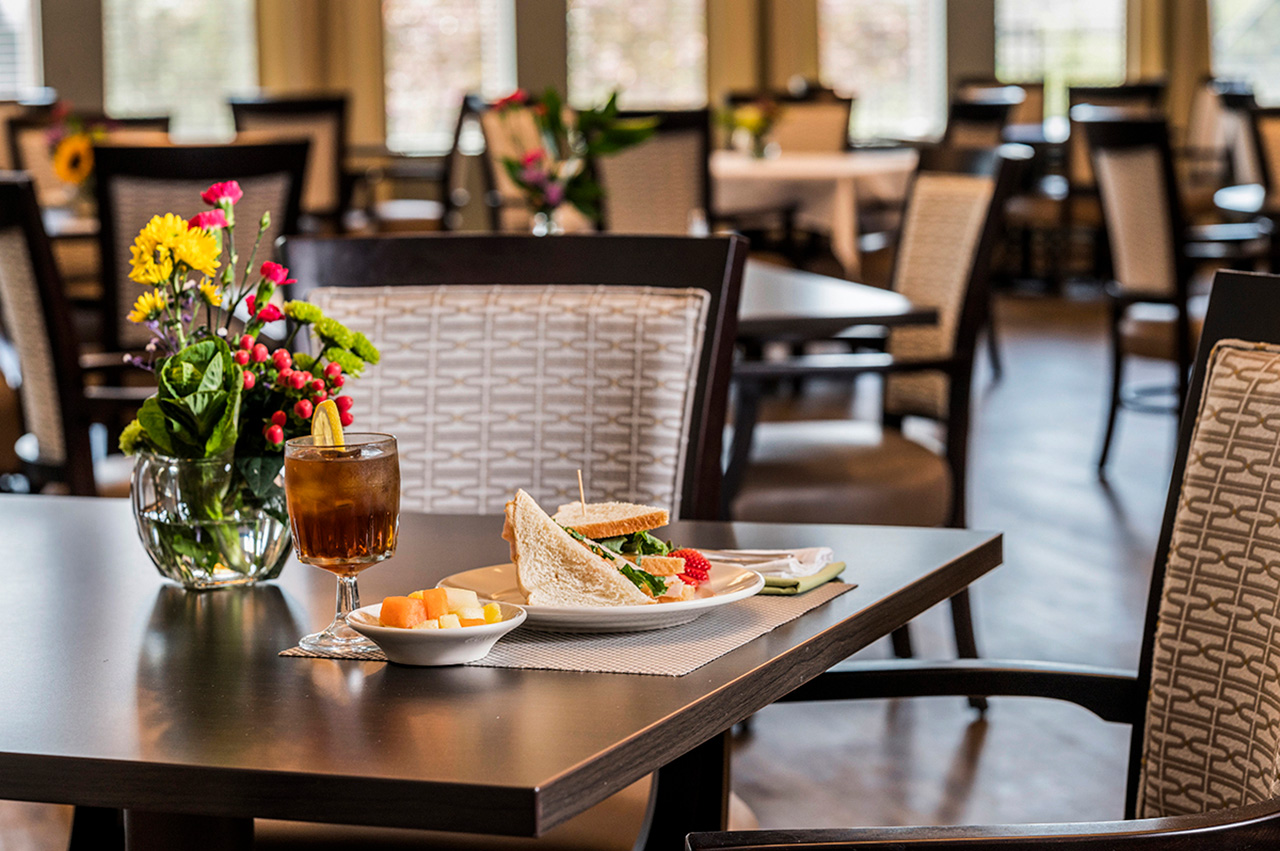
{"x":790,"y":585}
{"x":787,"y":564}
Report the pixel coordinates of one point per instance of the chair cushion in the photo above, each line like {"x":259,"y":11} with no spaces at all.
{"x":1147,"y":327}
{"x":842,"y":472}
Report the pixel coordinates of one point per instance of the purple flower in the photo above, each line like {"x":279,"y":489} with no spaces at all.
{"x":554,"y":194}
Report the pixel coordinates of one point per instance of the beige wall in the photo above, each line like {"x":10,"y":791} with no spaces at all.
{"x":971,"y":40}
{"x":72,"y":46}
{"x":542,"y":44}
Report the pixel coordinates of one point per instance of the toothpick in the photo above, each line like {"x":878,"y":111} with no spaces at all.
{"x":582,"y":495}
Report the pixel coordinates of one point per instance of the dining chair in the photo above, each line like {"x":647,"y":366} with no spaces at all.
{"x":979,"y":123}
{"x":662,"y":185}
{"x":1266,"y":139}
{"x":844,"y":471}
{"x":1238,"y":104}
{"x":1203,"y":703}
{"x":135,"y":183}
{"x":320,"y":119}
{"x":1153,"y":312}
{"x":57,"y":406}
{"x":1028,"y":110}
{"x":814,"y":121}
{"x":511,"y":362}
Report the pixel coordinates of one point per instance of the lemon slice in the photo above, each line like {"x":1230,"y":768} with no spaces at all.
{"x":326,"y":425}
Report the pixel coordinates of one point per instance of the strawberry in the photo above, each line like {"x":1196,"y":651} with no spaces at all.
{"x":697,"y":569}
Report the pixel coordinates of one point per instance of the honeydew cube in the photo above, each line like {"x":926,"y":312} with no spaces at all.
{"x":461,"y":598}
{"x":472,"y":613}
{"x":450,"y":621}
{"x":492,"y":613}
{"x":431,"y":623}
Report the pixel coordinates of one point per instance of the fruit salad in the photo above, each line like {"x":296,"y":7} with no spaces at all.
{"x":438,"y":608}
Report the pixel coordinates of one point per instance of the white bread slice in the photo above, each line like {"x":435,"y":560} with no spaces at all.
{"x":659,"y":565}
{"x":610,"y":519}
{"x":553,"y":569}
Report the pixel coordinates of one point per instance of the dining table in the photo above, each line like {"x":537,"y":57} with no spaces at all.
{"x":123,"y":691}
{"x":825,"y":188}
{"x":1254,"y":200}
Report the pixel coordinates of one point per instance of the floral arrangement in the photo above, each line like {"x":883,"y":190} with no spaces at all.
{"x":70,"y":140}
{"x":224,"y":390}
{"x":559,"y":171}
{"x":754,"y":120}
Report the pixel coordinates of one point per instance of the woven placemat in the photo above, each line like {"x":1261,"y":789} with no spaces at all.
{"x":671,"y":652}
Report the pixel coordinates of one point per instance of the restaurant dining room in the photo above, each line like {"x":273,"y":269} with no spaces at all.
{"x":652,"y":425}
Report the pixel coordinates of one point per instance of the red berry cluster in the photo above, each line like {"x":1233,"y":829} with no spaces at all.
{"x":298,"y":389}
{"x":697,"y":569}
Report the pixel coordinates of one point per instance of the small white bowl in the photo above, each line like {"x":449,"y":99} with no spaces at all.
{"x":434,"y":646}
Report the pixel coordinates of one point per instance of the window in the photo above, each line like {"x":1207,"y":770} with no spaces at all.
{"x":20,"y":69}
{"x":652,"y":52}
{"x":891,"y":56}
{"x":1061,"y":42}
{"x":168,"y":57}
{"x":1245,"y":38}
{"x":436,"y":52}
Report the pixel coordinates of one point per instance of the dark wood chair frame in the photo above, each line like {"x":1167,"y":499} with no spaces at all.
{"x":1257,"y":115}
{"x":1108,"y":132}
{"x":714,"y":264}
{"x":751,"y":377}
{"x":334,"y":106}
{"x":78,"y":403}
{"x":1244,"y":306}
{"x":184,"y":162}
{"x":993,"y":112}
{"x":43,"y":118}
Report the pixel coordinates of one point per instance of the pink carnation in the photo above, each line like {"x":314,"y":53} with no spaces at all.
{"x":208,"y":220}
{"x":277,"y":274}
{"x":270,"y":313}
{"x":532,"y":156}
{"x":228,"y":191}
{"x":515,"y":98}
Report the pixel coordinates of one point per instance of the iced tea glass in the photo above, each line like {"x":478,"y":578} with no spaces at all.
{"x":344,"y":506}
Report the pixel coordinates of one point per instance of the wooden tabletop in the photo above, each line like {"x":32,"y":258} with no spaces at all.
{"x":791,"y":304}
{"x":120,"y":690}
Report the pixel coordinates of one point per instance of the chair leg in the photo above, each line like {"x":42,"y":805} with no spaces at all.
{"x":993,"y":350}
{"x":966,"y":641}
{"x":1117,"y":371}
{"x":901,"y":638}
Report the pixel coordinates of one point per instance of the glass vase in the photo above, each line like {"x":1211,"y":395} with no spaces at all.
{"x":212,"y":523}
{"x":545,"y":224}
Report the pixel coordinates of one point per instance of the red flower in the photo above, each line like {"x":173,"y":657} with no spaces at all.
{"x":249,"y":305}
{"x":277,"y":274}
{"x":532,"y":156}
{"x":208,"y":220}
{"x":516,"y":98}
{"x":228,"y":191}
{"x":270,"y":313}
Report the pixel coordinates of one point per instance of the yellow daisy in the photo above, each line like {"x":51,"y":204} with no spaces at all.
{"x":73,"y":158}
{"x":152,"y":251}
{"x":211,"y":294}
{"x":198,"y":249}
{"x":148,"y":306}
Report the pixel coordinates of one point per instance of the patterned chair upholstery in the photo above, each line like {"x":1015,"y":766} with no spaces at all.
{"x":658,"y":186}
{"x":491,"y":388}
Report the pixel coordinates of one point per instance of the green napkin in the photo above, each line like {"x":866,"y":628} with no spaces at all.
{"x":798,"y":585}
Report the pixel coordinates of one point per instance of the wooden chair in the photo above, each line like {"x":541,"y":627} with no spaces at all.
{"x":840,"y":471}
{"x":978,"y":123}
{"x":662,"y":185}
{"x":57,"y":406}
{"x":1266,"y":139}
{"x":526,"y":263}
{"x":1027,"y":110}
{"x":321,"y":120}
{"x":1153,"y":313}
{"x":814,"y":121}
{"x":1203,"y":702}
{"x":136,"y":183}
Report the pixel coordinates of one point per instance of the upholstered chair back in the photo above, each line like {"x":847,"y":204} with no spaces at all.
{"x":32,"y":152}
{"x":323,"y":128}
{"x":658,"y":185}
{"x":942,"y":228}
{"x":490,"y":388}
{"x":1139,"y":98}
{"x":509,"y":133}
{"x":129,"y":196}
{"x":1134,"y":191}
{"x":817,"y":126}
{"x":1238,"y":136}
{"x":1212,"y":731}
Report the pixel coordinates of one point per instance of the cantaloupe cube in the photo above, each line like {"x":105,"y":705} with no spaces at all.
{"x":471,"y":613}
{"x":449,"y":621}
{"x":460,"y":598}
{"x":402,"y":612}
{"x":471,"y":621}
{"x":436,"y":601}
{"x":429,"y":623}
{"x":492,"y":613}
{"x":417,"y":595}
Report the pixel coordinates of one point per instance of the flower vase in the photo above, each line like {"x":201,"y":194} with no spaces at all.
{"x":212,"y":523}
{"x":545,"y":224}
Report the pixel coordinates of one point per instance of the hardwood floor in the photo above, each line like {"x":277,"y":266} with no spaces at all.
{"x":1073,"y":587}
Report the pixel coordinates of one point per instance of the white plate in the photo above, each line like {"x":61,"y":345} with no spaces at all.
{"x":728,"y":583}
{"x":434,"y":646}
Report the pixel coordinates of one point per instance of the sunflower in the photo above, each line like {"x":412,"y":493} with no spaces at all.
{"x":148,"y":306}
{"x":152,"y":252}
{"x":211,"y":294}
{"x":73,"y":158}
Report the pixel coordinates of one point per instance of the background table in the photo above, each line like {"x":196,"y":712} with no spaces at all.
{"x":1251,"y":199}
{"x":825,"y":187}
{"x":118,"y":690}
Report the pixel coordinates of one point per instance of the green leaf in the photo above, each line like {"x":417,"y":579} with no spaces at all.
{"x":644,"y":580}
{"x":155,"y":424}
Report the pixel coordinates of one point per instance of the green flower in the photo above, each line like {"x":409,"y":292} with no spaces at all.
{"x":303,"y":361}
{"x":335,"y":332}
{"x":351,"y":364}
{"x":361,"y":346}
{"x":131,"y":438}
{"x":302,"y":311}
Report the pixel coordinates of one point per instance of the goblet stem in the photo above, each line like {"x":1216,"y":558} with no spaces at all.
{"x":348,"y":599}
